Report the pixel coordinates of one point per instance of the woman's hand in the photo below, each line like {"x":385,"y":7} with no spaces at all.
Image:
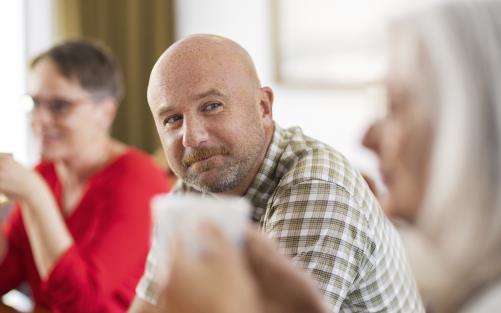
{"x":217,"y":281}
{"x":17,"y":181}
{"x":223,"y":280}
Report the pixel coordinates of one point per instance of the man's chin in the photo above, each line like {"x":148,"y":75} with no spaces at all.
{"x":211,"y":181}
{"x":203,"y":182}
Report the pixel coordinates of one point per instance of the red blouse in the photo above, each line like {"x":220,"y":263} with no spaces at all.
{"x":111,"y":230}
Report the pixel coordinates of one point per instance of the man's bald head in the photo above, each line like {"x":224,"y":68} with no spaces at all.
{"x":212,"y":115}
{"x":200,"y":55}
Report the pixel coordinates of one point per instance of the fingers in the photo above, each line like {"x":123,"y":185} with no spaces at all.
{"x":216,"y":281}
{"x":210,"y":231}
{"x":4,"y":158}
{"x":256,"y":239}
{"x":6,"y":161}
{"x":176,"y":249}
{"x":214,"y":243}
{"x":8,"y":177}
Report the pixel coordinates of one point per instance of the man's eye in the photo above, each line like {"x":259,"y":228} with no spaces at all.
{"x":171,"y":120}
{"x":212,"y":106}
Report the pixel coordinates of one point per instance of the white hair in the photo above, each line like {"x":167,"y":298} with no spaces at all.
{"x":461,"y":212}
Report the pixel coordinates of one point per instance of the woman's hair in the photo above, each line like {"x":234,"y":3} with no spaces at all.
{"x":461,"y":212}
{"x":89,"y":63}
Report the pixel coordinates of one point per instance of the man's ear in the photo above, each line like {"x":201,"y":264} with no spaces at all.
{"x":266,"y":103}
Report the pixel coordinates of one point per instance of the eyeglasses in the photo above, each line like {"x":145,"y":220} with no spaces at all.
{"x":57,"y":107}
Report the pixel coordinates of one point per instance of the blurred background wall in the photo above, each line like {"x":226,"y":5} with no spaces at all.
{"x":137,"y":31}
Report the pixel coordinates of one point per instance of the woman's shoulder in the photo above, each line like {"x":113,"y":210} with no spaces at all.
{"x":135,"y":158}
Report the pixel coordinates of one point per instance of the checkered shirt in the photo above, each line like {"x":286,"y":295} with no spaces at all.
{"x":321,"y":213}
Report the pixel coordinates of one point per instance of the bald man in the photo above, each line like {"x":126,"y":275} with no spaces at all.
{"x":215,"y":122}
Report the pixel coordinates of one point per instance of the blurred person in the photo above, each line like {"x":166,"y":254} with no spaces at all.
{"x":440,"y":151}
{"x":215,"y":122}
{"x":79,"y":234}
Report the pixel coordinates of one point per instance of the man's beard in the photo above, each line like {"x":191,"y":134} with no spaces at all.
{"x":231,"y":173}
{"x":229,"y":177}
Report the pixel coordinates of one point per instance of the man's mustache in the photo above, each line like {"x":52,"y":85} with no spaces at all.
{"x":200,"y":154}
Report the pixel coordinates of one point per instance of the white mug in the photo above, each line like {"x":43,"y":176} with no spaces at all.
{"x":179,"y":216}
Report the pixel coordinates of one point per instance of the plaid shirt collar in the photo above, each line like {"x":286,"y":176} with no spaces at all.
{"x":267,"y":177}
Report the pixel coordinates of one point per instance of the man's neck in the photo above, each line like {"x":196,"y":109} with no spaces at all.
{"x":242,"y":188}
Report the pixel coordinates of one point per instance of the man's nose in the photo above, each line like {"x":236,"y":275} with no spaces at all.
{"x":194,"y":133}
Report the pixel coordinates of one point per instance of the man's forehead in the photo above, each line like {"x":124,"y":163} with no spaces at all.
{"x":171,"y":100}
{"x":210,"y":92}
{"x":194,"y":65}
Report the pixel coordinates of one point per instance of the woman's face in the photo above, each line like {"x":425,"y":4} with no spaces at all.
{"x":402,"y":140}
{"x":65,"y":117}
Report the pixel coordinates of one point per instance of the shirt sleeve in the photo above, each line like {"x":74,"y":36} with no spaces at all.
{"x":85,"y":280}
{"x":318,"y":225}
{"x":10,"y":266}
{"x":148,"y":288}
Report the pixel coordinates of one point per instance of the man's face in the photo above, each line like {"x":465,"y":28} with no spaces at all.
{"x":210,"y":122}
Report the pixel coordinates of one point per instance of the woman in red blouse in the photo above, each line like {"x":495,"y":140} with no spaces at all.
{"x":79,"y":233}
